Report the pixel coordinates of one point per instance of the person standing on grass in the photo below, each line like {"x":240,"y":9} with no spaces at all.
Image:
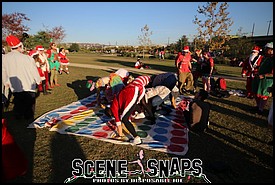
{"x":263,"y":80}
{"x":250,"y":68}
{"x":20,"y":74}
{"x":196,"y":67}
{"x":207,"y":67}
{"x":44,"y":65}
{"x":42,"y":86}
{"x":184,"y":70}
{"x":124,"y":104}
{"x":54,"y":67}
{"x":64,"y":61}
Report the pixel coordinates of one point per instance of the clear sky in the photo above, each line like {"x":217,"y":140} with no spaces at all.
{"x":121,"y":22}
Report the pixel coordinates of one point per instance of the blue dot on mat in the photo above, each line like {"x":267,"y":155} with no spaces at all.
{"x":63,"y":110}
{"x":156,"y":145}
{"x":160,"y":130}
{"x":163,"y":124}
{"x":94,"y":126}
{"x":160,"y":138}
{"x":54,"y":114}
{"x":72,"y":107}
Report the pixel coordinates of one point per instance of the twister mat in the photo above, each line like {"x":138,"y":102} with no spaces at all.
{"x":83,"y":118}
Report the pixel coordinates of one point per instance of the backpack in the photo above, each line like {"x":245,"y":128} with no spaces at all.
{"x":221,"y":84}
{"x":198,"y":115}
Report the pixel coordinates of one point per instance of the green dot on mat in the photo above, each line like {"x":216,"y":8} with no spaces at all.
{"x":101,"y":111}
{"x":90,"y":119}
{"x":82,"y":124}
{"x":72,"y":129}
{"x":142,"y":134}
{"x":144,"y":127}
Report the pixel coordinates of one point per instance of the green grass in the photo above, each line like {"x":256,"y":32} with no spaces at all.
{"x":235,"y":136}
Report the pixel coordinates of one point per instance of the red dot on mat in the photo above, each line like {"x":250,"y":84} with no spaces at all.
{"x":107,"y":128}
{"x":178,"y":140}
{"x":178,"y":132}
{"x":66,"y":117}
{"x":176,"y":148}
{"x":178,"y":126}
{"x":74,"y":111}
{"x":100,"y":134}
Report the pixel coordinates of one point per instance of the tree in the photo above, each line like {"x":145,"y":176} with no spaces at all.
{"x":213,"y":31}
{"x":57,"y":34}
{"x":74,"y":47}
{"x":239,"y":47}
{"x":41,"y":38}
{"x":183,"y":41}
{"x":144,"y":38}
{"x":13,"y":24}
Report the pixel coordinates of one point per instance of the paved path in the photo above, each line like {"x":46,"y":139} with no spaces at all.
{"x":146,"y":71}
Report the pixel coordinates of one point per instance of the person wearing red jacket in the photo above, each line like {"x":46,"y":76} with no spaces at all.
{"x":250,"y":69}
{"x":124,"y":105}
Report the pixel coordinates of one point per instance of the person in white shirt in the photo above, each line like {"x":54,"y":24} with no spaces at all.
{"x":20,"y":74}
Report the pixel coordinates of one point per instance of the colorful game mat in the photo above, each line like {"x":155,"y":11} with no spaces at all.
{"x":84,"y":118}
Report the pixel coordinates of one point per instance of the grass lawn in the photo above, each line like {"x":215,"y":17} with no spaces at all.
{"x":235,"y":138}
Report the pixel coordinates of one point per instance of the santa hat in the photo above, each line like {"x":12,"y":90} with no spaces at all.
{"x":33,"y":52}
{"x":186,"y":48}
{"x":39,"y":48}
{"x":256,"y":49}
{"x":269,"y":45}
{"x":13,"y":41}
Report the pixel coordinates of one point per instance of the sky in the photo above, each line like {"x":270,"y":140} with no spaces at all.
{"x":120,"y":23}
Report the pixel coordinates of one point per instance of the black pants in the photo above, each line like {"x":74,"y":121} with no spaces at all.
{"x":126,"y":117}
{"x":24,"y":104}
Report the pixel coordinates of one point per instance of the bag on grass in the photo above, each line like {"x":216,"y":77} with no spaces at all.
{"x":221,"y":84}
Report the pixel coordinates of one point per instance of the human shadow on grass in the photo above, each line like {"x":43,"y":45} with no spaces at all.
{"x":64,"y":149}
{"x":224,"y":163}
{"x":259,"y":121}
{"x":80,"y":88}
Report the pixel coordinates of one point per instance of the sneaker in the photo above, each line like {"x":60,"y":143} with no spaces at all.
{"x":140,"y":115}
{"x":137,"y":141}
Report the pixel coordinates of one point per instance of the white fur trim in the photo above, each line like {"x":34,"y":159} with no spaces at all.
{"x":17,"y":45}
{"x":129,"y":106}
{"x":118,"y":123}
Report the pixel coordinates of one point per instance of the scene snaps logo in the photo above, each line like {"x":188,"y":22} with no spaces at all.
{"x":152,"y":170}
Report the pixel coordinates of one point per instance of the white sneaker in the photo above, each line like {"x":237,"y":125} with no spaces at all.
{"x":137,"y":141}
{"x":140,"y":115}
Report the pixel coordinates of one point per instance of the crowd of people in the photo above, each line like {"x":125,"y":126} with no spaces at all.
{"x":26,"y":74}
{"x":125,"y":95}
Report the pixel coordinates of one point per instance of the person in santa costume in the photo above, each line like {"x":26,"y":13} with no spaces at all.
{"x":250,"y":69}
{"x":64,"y":61}
{"x":263,"y":80}
{"x":124,"y":104}
{"x":44,"y":65}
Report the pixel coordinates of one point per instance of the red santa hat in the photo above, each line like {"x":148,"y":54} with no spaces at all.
{"x":13,"y":41}
{"x":186,"y":48}
{"x":256,"y":49}
{"x":39,"y":48}
{"x":33,"y":52}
